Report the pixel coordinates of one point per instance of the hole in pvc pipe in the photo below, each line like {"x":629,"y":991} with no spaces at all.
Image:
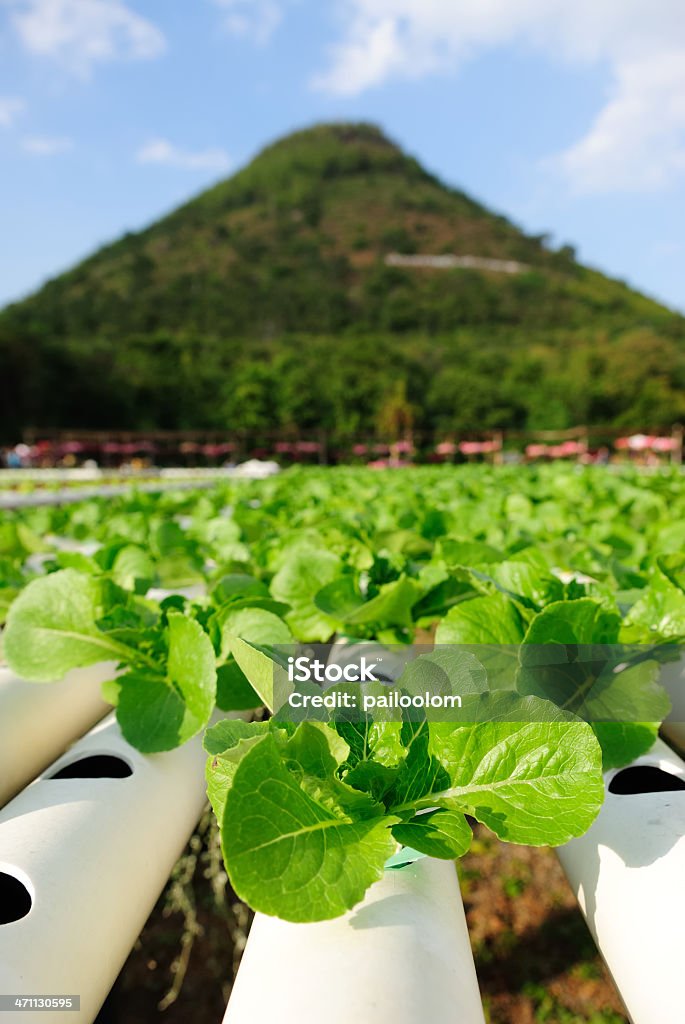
{"x":96,"y":766}
{"x":644,"y":778}
{"x":15,"y":899}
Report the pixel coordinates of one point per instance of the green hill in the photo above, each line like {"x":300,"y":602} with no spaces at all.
{"x":267,"y":302}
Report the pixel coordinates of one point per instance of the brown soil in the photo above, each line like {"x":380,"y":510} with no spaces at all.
{"x":535,"y":958}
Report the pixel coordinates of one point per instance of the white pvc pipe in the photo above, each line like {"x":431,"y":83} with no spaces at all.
{"x":98,"y":473}
{"x":74,"y":495}
{"x":38,"y":721}
{"x":673,"y":679}
{"x":95,"y":854}
{"x":165,"y":480}
{"x":628,"y":873}
{"x":400,"y":957}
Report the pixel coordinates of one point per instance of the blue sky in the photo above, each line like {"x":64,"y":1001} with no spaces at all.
{"x":569,"y":118}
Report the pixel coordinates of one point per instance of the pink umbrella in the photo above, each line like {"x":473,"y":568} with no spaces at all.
{"x":664,"y":444}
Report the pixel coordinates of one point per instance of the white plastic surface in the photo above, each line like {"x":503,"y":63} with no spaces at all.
{"x":97,"y":853}
{"x":673,"y":678}
{"x":167,"y":480}
{"x":72,"y":496}
{"x":400,"y":957}
{"x":39,"y":720}
{"x":628,"y":873}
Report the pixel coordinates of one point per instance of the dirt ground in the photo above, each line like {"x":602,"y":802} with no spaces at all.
{"x":536,"y":961}
{"x":535,"y":958}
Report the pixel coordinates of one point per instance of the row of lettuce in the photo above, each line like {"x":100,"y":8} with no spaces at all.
{"x":488,"y":563}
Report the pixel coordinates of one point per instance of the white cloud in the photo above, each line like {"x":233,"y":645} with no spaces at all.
{"x":637,"y":140}
{"x":46,"y":145}
{"x":10,"y":108}
{"x":254,"y":19}
{"x":81,"y":33}
{"x":367,"y":59}
{"x":161,"y":151}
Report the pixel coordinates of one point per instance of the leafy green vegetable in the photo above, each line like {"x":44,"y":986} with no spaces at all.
{"x":483,"y":620}
{"x":158,"y":714}
{"x":538,"y":783}
{"x":295,"y":842}
{"x":306,"y":827}
{"x":52,"y":627}
{"x":443,"y":834}
{"x":302,"y":575}
{"x":221,"y":742}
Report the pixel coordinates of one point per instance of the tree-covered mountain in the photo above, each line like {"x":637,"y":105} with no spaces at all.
{"x":267,"y":302}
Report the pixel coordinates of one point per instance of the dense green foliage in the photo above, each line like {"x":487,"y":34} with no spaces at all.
{"x":265,"y":304}
{"x":545,"y":570}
